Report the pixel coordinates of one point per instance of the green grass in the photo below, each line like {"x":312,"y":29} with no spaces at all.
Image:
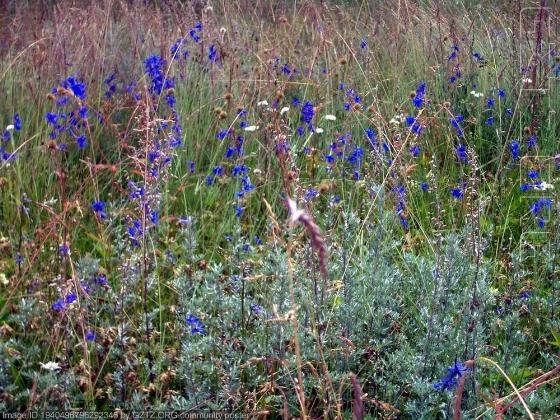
{"x":399,"y":304}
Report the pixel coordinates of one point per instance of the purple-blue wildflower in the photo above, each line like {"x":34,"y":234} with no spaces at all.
{"x":17,"y":122}
{"x":514,"y":149}
{"x":99,"y":209}
{"x":455,"y":372}
{"x":307,"y":112}
{"x":196,"y":325}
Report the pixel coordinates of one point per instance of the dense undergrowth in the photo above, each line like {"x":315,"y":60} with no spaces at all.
{"x":311,"y":209}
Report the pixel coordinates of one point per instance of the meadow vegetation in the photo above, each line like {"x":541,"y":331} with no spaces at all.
{"x":312,"y":209}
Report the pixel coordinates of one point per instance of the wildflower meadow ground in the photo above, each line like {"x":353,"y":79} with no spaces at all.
{"x":280,"y":209}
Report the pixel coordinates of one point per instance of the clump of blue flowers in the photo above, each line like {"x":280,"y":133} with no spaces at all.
{"x":449,"y":381}
{"x":195,"y":324}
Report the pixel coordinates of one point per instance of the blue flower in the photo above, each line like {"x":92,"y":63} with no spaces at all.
{"x":212,"y":53}
{"x":490,"y":102}
{"x":527,"y":187}
{"x":415,"y":127}
{"x":90,"y":335}
{"x":456,"y":121}
{"x":70,"y":298}
{"x":404,"y":222}
{"x":539,"y":205}
{"x":170,"y":100}
{"x":238,"y":210}
{"x":457,"y":193}
{"x":101,"y":279}
{"x":17,"y":122}
{"x":51,"y":118}
{"x":424,"y":186}
{"x":514,"y":149}
{"x":307,"y":112}
{"x":99,"y":208}
{"x":197,"y":326}
{"x":370,"y":134}
{"x":154,"y":70}
{"x":81,"y":141}
{"x":257,"y":309}
{"x":194,"y":32}
{"x":355,"y":157}
{"x":310,"y":193}
{"x":418,"y":99}
{"x":58,"y":305}
{"x":489,"y":121}
{"x":77,"y":88}
{"x":415,"y":151}
{"x":222,"y":134}
{"x":154,"y":217}
{"x":448,"y":382}
{"x":477,"y":56}
{"x":462,"y":154}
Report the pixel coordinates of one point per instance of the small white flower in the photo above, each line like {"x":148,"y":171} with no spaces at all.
{"x":262,"y":103}
{"x":52,"y":366}
{"x":477,"y":94}
{"x":252,"y":128}
{"x":543,"y":186}
{"x":526,"y":80}
{"x":319,"y":130}
{"x":330,"y":117}
{"x":284,"y":110}
{"x":397,"y":119}
{"x":10,"y":127}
